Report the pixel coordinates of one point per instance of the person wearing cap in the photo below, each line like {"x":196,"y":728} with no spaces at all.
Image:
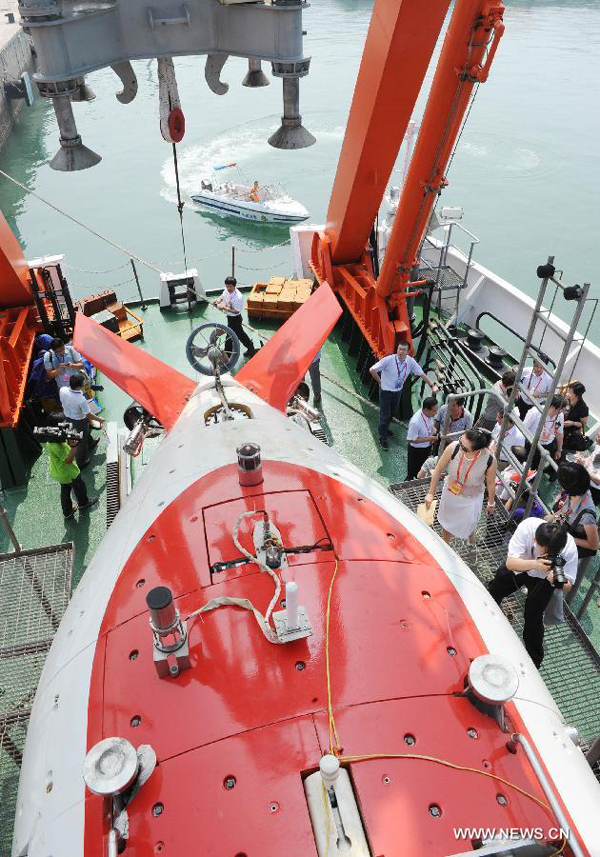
{"x":391,"y":373}
{"x":231,"y":302}
{"x":63,"y":468}
{"x":537,"y":383}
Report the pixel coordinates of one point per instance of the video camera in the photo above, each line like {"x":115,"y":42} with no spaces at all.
{"x":557,"y":564}
{"x":57,"y":434}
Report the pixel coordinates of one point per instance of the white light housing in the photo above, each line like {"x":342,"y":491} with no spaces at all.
{"x":451,"y":212}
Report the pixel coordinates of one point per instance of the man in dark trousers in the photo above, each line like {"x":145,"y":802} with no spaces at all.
{"x":231,"y":303}
{"x":532,"y":551}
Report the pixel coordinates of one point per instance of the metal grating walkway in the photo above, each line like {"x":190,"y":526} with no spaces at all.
{"x":35,"y":587}
{"x":571,"y":667}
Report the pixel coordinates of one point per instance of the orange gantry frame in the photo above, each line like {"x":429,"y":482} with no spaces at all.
{"x":399,"y":45}
{"x":18,"y":325}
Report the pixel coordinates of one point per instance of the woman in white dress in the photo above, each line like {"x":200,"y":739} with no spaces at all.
{"x":470,"y":467}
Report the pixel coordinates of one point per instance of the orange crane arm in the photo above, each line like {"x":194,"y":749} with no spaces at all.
{"x":399,"y":45}
{"x":15,"y":290}
{"x":467,"y":53}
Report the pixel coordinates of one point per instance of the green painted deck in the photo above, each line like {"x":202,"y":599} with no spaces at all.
{"x":351,"y":426}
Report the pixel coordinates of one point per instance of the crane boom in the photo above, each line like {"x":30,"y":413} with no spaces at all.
{"x":397,"y":52}
{"x":468,"y":51}
{"x":339,"y":255}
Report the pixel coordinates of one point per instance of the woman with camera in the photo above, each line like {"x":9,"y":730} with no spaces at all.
{"x":542,"y":556}
{"x":470,"y":467}
{"x":575,"y":508}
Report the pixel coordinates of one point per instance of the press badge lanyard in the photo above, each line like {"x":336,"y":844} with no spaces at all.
{"x":457,"y":486}
{"x":548,"y":432}
{"x":426,"y":423}
{"x":401,"y":378}
{"x":540,"y":379}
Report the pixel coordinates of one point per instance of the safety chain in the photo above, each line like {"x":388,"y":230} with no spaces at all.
{"x":108,"y":270}
{"x":263,"y":267}
{"x":111,"y":286}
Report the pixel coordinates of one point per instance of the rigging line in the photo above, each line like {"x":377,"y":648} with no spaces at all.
{"x":374,"y":756}
{"x":70,"y":217}
{"x":180,"y":204}
{"x":463,"y":126}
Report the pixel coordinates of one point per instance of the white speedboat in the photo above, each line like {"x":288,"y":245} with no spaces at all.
{"x":269,"y":204}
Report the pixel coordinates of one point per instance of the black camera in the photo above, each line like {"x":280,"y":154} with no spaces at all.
{"x":57,"y":434}
{"x":557,"y":564}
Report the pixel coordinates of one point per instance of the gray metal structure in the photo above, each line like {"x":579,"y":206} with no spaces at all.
{"x":75,"y":37}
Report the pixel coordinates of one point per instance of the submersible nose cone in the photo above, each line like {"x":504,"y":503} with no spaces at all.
{"x":73,"y":156}
{"x":291,"y":135}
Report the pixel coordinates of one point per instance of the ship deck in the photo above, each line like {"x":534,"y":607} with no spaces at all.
{"x":572,"y":666}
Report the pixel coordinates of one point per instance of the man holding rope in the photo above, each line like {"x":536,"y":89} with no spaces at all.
{"x":231,"y":303}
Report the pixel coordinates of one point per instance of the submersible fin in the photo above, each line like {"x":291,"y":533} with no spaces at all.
{"x":276,"y":369}
{"x":163,"y":391}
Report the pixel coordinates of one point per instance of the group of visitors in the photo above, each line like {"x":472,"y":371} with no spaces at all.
{"x":64,"y":379}
{"x":547,"y":555}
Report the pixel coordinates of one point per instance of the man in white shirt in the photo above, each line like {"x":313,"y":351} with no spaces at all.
{"x":537,"y":383}
{"x":77,"y":410}
{"x":391,"y":374}
{"x":62,"y":362}
{"x":534,"y":546}
{"x":512,"y":437}
{"x":552,"y":433}
{"x":231,"y":303}
{"x":420,"y":436}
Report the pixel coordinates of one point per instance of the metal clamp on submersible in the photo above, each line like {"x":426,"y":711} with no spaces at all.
{"x":170,"y":657}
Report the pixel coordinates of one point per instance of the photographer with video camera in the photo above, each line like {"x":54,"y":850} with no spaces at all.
{"x":61,"y":446}
{"x":542,"y":556}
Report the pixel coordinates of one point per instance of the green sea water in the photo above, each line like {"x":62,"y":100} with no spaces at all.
{"x":526,"y":170}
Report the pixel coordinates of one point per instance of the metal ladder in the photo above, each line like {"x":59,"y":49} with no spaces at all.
{"x":540,"y":324}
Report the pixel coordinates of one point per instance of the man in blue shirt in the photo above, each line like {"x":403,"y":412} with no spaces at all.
{"x":61,"y":362}
{"x":391,"y":373}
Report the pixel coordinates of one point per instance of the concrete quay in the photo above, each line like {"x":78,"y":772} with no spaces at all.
{"x":15,"y":58}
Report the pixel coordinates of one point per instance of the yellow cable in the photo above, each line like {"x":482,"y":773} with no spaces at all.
{"x":334,"y":741}
{"x":447,"y":764}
